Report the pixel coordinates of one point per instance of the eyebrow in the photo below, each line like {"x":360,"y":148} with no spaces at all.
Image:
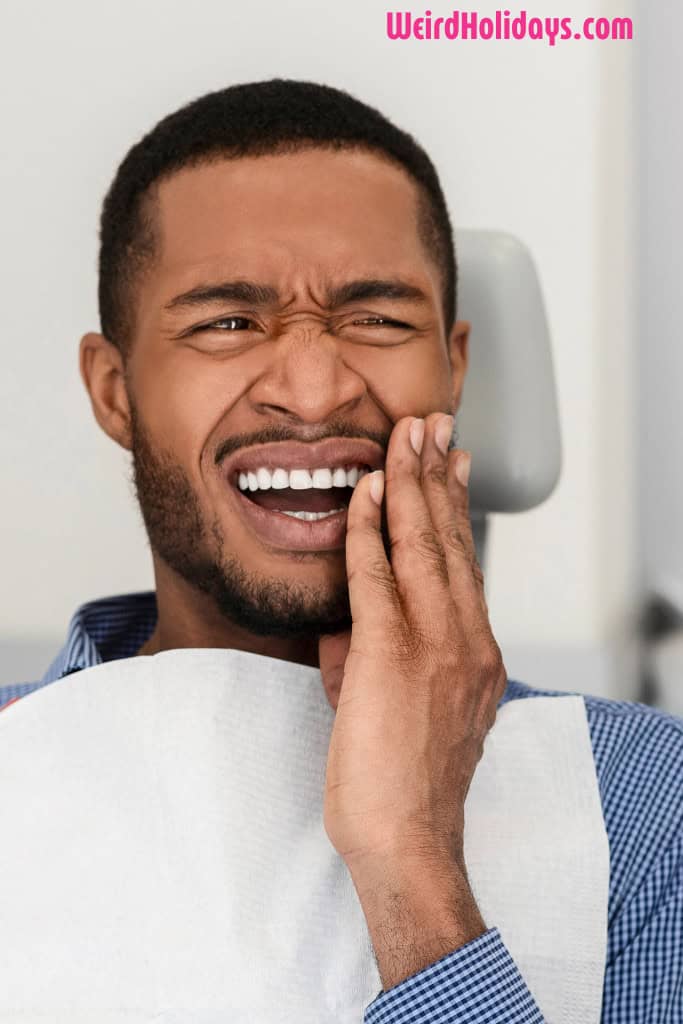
{"x":373,"y":288}
{"x":262,"y":294}
{"x":225,"y":291}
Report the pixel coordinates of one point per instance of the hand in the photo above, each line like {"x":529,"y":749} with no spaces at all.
{"x":417,"y":680}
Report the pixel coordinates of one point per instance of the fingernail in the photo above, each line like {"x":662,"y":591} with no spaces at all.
{"x":417,"y":435}
{"x":443,"y":433}
{"x":377,"y":486}
{"x":462,"y":468}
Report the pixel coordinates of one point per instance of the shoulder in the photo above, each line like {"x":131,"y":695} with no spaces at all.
{"x":638,"y":754}
{"x":13,"y":691}
{"x":622,"y":732}
{"x":100,"y":630}
{"x":634,"y":745}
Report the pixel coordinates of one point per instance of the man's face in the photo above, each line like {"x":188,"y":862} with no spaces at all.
{"x":246,"y":384}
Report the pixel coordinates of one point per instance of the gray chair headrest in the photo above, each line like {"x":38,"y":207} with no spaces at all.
{"x":508,"y":415}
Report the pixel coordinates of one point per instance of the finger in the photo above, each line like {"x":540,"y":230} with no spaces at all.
{"x":458,"y":482}
{"x":417,"y":558}
{"x":448,"y":502}
{"x":442,"y":427}
{"x":372,"y":587}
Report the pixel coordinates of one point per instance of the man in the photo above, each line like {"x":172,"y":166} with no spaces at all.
{"x":281,"y":355}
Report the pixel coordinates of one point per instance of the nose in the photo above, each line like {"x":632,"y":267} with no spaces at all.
{"x":306,"y":377}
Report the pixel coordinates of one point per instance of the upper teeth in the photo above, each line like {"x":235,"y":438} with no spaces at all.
{"x":301,"y":479}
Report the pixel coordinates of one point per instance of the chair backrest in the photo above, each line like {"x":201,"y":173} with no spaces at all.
{"x":508,"y":416}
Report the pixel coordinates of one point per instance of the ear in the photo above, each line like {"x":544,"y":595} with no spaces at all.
{"x":103,"y":373}
{"x":458,"y":354}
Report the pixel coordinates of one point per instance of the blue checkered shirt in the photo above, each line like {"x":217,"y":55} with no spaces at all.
{"x":638,"y":754}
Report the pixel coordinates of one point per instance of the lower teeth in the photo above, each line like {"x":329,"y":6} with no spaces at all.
{"x":310,"y":516}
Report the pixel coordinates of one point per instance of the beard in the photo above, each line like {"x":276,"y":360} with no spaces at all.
{"x":180,"y":535}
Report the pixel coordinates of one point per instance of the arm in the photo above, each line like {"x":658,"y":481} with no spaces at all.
{"x":643,"y":983}
{"x":436,"y":957}
{"x":415,"y":686}
{"x":477,"y":984}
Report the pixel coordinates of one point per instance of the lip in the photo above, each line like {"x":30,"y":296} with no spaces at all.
{"x":297,"y":455}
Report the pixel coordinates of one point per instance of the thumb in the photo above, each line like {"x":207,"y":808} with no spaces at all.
{"x":332,"y":652}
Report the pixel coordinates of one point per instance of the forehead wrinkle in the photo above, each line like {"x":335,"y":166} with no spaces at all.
{"x":328,"y":293}
{"x":145,"y":249}
{"x":286,"y":303}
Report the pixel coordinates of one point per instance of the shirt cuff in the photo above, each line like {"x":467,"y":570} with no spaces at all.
{"x":479,"y":983}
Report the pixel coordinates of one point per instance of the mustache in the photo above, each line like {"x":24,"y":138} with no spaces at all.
{"x":278,"y":432}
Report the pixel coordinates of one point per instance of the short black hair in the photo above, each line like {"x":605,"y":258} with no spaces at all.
{"x":251,"y":119}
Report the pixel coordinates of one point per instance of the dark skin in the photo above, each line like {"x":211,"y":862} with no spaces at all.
{"x":395,"y":617}
{"x":301,"y":223}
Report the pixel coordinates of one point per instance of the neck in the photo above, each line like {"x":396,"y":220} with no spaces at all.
{"x":188,"y":618}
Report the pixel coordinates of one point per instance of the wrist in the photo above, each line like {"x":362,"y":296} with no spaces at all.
{"x":393,"y":863}
{"x":428,"y":880}
{"x":418,"y":909}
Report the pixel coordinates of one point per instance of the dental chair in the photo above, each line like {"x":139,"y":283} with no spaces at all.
{"x":508,"y":415}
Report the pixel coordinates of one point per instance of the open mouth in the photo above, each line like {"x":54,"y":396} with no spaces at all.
{"x":306,"y":494}
{"x":308,"y":508}
{"x":298,"y":508}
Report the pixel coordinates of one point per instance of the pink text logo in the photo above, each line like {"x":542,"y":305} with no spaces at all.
{"x":503,"y":25}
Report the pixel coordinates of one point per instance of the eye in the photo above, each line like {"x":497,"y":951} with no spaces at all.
{"x":381,"y":321}
{"x":240,"y":321}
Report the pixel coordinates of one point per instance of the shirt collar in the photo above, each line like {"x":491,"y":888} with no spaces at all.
{"x":117,"y":627}
{"x":105,"y":629}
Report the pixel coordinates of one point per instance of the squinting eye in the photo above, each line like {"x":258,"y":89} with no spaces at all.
{"x":226,"y":320}
{"x":381,"y":320}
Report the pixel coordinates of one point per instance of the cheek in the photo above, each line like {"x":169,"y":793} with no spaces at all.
{"x":411,"y":379}
{"x":184,"y":400}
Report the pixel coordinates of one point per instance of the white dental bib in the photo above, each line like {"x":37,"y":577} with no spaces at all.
{"x":163,"y":856}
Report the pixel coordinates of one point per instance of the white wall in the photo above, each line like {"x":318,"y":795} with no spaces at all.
{"x":660,"y":354}
{"x":661,"y":314}
{"x":527,"y":138}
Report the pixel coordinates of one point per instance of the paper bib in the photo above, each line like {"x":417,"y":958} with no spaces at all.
{"x":163,"y":856}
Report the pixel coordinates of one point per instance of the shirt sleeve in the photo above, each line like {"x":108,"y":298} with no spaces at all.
{"x":479,"y":983}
